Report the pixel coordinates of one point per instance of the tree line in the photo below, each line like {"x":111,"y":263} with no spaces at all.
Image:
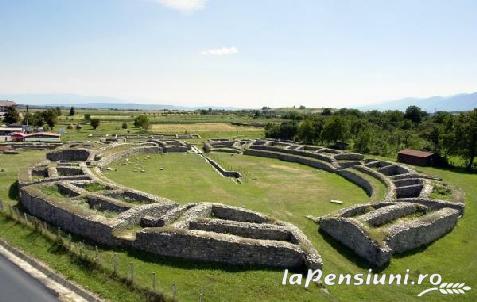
{"x":385,"y":133}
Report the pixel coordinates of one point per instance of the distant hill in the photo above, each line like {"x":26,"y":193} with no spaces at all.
{"x":99,"y":102}
{"x":96,"y":102}
{"x":459,"y":102}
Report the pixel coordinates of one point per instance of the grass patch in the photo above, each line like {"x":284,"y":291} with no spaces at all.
{"x":95,"y":187}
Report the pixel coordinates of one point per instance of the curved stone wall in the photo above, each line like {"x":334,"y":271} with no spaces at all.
{"x":111,"y":215}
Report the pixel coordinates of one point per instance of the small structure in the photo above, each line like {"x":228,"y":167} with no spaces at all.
{"x":417,"y":157}
{"x":6,"y":132}
{"x":42,"y":137}
{"x":18,"y":136}
{"x":4,"y":105}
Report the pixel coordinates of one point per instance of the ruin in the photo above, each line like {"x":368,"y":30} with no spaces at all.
{"x":68,"y":190}
{"x":406,"y":219}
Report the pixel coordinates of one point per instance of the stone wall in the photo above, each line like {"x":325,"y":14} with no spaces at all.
{"x":422,"y":231}
{"x":92,"y":227}
{"x":69,"y":155}
{"x":222,"y":248}
{"x":357,"y":180}
{"x":375,"y":231}
{"x":351,"y":235}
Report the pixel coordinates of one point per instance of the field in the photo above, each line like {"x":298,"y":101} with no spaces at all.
{"x":287,"y":191}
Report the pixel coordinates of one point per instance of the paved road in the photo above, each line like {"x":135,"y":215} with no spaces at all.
{"x":18,"y":286}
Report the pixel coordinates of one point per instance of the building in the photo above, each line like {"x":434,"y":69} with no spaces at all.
{"x":4,"y":105}
{"x":418,"y":158}
{"x":6,"y":132}
{"x":42,"y":137}
{"x":18,"y":136}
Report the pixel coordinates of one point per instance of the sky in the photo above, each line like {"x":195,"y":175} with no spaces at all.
{"x":240,"y":53}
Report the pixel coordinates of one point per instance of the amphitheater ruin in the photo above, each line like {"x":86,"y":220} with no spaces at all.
{"x":69,"y":191}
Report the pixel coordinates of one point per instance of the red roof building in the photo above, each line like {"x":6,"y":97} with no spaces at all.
{"x":417,"y":157}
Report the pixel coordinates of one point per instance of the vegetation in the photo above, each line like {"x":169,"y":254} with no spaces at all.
{"x":142,"y":121}
{"x":287,"y":191}
{"x":385,"y":133}
{"x":94,"y":123}
{"x":40,"y":118}
{"x":11,"y":116}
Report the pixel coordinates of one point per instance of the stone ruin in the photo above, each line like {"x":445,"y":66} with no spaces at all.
{"x":406,"y":219}
{"x":375,"y":231}
{"x":226,"y":145}
{"x":84,"y":202}
{"x":69,"y":192}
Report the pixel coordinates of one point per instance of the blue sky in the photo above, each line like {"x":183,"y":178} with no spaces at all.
{"x":243,"y":53}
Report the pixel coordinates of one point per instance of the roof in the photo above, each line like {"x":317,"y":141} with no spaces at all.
{"x":11,"y":129}
{"x":19,"y":134}
{"x":5,"y":103}
{"x":416,"y":153}
{"x":43,"y":133}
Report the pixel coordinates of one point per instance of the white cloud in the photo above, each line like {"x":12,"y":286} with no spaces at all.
{"x":186,"y":6}
{"x":223,"y":51}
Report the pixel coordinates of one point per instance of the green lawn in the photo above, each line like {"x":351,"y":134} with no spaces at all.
{"x":289,"y":191}
{"x":284,"y":190}
{"x":11,"y":164}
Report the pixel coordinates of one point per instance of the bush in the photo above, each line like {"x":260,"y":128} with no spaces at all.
{"x":94,"y":123}
{"x":142,"y":121}
{"x":124,"y":125}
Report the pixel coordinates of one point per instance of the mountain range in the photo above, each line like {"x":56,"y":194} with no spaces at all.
{"x":459,"y":102}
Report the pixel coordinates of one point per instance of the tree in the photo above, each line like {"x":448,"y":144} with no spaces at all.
{"x":142,"y":121}
{"x":94,"y":123}
{"x":72,"y":111}
{"x":58,"y":111}
{"x":124,"y":125}
{"x":415,"y":114}
{"x":363,"y":142}
{"x":336,"y":129}
{"x":466,"y":137}
{"x":50,"y":116}
{"x":306,"y":132}
{"x":11,"y":116}
{"x":326,"y":111}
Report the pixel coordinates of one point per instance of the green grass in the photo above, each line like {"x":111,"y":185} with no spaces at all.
{"x":11,"y":165}
{"x":289,"y":191}
{"x":58,"y":259}
{"x":286,"y":191}
{"x":94,"y":187}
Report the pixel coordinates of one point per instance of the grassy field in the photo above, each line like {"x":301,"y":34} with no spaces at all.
{"x":10,"y":164}
{"x":286,"y":191}
{"x":289,"y":191}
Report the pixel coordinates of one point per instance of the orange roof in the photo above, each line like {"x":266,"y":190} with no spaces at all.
{"x":416,"y":153}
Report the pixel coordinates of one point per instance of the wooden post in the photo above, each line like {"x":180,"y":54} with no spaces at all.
{"x":96,"y":255}
{"x":174,"y":291}
{"x":201,"y":296}
{"x":131,"y":272}
{"x":154,"y":282}
{"x":115,"y":263}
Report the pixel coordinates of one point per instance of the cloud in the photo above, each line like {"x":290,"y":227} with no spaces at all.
{"x":186,"y":6}
{"x":223,"y":51}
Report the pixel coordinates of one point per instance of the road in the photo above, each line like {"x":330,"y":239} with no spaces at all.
{"x":18,"y":286}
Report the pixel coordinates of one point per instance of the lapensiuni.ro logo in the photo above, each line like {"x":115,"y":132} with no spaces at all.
{"x":435,"y":281}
